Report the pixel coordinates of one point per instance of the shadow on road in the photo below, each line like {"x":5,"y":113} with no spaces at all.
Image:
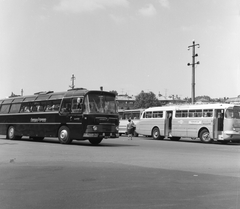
{"x":104,"y":143}
{"x":196,"y":141}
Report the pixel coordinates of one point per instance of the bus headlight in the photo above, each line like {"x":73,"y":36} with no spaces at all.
{"x":234,"y":129}
{"x":94,"y":128}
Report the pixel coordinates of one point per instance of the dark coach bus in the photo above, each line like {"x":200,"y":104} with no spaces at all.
{"x":76,"y":114}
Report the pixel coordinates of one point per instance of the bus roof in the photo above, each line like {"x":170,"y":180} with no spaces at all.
{"x":191,"y":106}
{"x":132,"y":110}
{"x":50,"y":95}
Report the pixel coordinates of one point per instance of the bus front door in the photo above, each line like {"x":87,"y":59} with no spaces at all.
{"x":168,"y":124}
{"x":218,"y":124}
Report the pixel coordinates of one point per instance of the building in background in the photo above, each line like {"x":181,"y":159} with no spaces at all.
{"x":235,"y":100}
{"x":167,"y":100}
{"x":125,"y":102}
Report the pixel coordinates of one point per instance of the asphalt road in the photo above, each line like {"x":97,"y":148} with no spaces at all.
{"x":119,"y":173}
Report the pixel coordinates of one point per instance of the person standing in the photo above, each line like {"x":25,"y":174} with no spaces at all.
{"x":130,"y":128}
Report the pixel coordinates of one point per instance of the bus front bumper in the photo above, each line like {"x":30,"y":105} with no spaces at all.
{"x":231,"y":135}
{"x":101,"y":135}
{"x":101,"y":131}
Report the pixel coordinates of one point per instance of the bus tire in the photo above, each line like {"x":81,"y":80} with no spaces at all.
{"x":95,"y":141}
{"x":64,"y":135}
{"x":204,"y":136}
{"x":156,"y":133}
{"x":11,"y":133}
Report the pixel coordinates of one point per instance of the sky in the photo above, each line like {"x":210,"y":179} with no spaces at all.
{"x":124,"y":45}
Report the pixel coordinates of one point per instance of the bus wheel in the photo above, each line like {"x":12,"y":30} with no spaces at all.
{"x":11,"y":133}
{"x":204,"y":136}
{"x":156,"y":134}
{"x":95,"y":141}
{"x":175,"y":138}
{"x":64,"y":135}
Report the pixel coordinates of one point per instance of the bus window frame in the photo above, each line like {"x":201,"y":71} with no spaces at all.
{"x":79,"y":106}
{"x":16,"y":110}
{"x":66,"y":109}
{"x":157,"y":114}
{"x":6,"y":109}
{"x":148,"y":114}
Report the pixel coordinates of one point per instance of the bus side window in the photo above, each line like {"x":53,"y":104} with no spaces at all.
{"x":148,"y":114}
{"x":207,"y":113}
{"x":190,"y":114}
{"x":5,"y":108}
{"x":40,"y":108}
{"x":77,"y":104}
{"x":25,"y":108}
{"x":66,"y":106}
{"x":144,"y":115}
{"x":184,"y":113}
{"x":15,"y":108}
{"x":22,"y":109}
{"x":34,"y":107}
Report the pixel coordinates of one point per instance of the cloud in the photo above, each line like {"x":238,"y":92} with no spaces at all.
{"x":164,"y":3}
{"x":186,"y":28}
{"x":78,"y":6}
{"x":117,"y":19}
{"x":149,"y":10}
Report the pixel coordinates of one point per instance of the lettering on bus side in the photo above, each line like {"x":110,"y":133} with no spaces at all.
{"x":38,"y":120}
{"x":196,"y":122}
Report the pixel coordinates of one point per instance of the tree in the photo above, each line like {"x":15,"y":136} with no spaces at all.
{"x":203,"y":98}
{"x":145,"y":100}
{"x":115,"y":92}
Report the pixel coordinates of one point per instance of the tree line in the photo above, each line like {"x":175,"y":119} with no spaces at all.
{"x":149,"y":99}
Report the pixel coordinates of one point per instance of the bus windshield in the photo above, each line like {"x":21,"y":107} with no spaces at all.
{"x":100,"y":104}
{"x":233,"y":112}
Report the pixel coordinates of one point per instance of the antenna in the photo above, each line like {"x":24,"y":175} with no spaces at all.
{"x":72,"y":78}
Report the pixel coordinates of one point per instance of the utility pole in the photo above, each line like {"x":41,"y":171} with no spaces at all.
{"x":72,"y":78}
{"x":193,"y":68}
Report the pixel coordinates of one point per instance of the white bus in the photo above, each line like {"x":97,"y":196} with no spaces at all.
{"x":209,"y":122}
{"x":124,"y":115}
